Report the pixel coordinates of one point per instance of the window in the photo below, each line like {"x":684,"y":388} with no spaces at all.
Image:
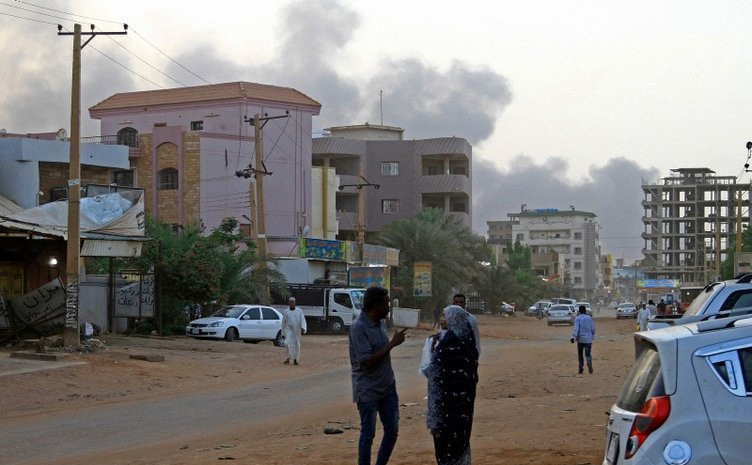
{"x":168,"y":179}
{"x":578,"y":250}
{"x":342,"y":299}
{"x":269,"y":314}
{"x":127,"y":136}
{"x":578,"y":236}
{"x":520,"y":237}
{"x":390,"y":168}
{"x":577,"y":265}
{"x":458,"y":207}
{"x":567,"y":262}
{"x":390,"y":206}
{"x":59,"y":193}
{"x":197,"y":125}
{"x":123,"y":178}
{"x":160,"y":125}
{"x":577,"y":280}
{"x":254,"y":314}
{"x":746,"y":361}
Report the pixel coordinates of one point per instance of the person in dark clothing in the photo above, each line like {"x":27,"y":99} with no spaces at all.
{"x":662,"y":307}
{"x":436,"y":316}
{"x":452,"y":381}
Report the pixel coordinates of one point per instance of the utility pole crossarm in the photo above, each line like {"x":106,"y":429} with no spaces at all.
{"x":92,"y":33}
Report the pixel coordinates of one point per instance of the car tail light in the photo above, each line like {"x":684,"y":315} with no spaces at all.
{"x":652,"y":415}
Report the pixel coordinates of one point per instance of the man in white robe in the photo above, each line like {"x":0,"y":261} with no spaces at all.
{"x":293,"y":322}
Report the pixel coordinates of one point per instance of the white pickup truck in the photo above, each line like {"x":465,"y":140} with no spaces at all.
{"x":325,"y":307}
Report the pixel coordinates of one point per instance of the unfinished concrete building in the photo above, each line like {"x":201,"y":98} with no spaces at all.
{"x":690,"y":218}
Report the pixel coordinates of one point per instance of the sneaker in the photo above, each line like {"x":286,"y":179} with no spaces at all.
{"x":590,"y":368}
{"x":579,"y":372}
{"x":287,"y":362}
{"x":296,"y":362}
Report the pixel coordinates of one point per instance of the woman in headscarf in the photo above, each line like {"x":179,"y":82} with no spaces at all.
{"x":452,"y":379}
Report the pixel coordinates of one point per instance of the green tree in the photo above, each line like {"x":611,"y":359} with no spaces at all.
{"x":214,"y":270}
{"x":727,"y":266}
{"x":431,"y":235}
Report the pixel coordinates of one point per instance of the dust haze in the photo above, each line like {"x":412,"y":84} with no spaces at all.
{"x":461,"y":99}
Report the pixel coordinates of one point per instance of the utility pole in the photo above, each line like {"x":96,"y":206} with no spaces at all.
{"x":258,"y":211}
{"x":73,"y":254}
{"x":361,"y":203}
{"x":738,"y":245}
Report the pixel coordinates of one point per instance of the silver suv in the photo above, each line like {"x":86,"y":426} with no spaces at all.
{"x":688,"y":397}
{"x":717,"y":300}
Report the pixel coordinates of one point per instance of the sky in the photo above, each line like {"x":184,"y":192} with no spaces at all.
{"x":565,"y":103}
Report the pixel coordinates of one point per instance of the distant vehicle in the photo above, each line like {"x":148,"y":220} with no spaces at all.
{"x":560,"y":313}
{"x":540,"y":305}
{"x":626,"y":310}
{"x":656,"y":419}
{"x":613,"y":305}
{"x":588,"y":309}
{"x":325,"y":307}
{"x":249,"y":323}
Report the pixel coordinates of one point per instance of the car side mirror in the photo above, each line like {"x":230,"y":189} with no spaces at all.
{"x":245,"y":317}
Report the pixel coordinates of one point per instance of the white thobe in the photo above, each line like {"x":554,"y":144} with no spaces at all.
{"x":293,"y":321}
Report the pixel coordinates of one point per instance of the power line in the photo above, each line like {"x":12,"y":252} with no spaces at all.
{"x":33,"y":11}
{"x":66,"y":12}
{"x":106,"y":21}
{"x":168,"y":56}
{"x":146,"y":62}
{"x":28,"y":19}
{"x":125,"y":67}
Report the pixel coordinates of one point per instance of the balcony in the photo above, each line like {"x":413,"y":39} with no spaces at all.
{"x":443,"y":184}
{"x":131,"y":142}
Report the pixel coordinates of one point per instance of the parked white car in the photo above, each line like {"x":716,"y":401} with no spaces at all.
{"x":249,"y":323}
{"x":688,"y":397}
{"x":560,"y":313}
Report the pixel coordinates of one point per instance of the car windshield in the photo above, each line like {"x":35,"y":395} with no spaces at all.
{"x":229,"y":312}
{"x":626,"y":305}
{"x":699,"y":302}
{"x":644,"y":380}
{"x":560,"y":307}
{"x":357,"y":298}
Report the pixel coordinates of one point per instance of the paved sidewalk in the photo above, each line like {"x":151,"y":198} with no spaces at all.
{"x":15,"y":366}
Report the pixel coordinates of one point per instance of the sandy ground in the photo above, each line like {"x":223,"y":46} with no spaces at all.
{"x":531,"y":407}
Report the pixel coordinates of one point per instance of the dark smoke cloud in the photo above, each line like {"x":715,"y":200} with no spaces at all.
{"x":462,"y":101}
{"x":613,"y":192}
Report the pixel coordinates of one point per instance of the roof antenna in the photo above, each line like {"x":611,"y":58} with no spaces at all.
{"x":381,"y":106}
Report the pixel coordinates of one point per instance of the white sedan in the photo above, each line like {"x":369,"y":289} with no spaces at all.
{"x":250,"y":323}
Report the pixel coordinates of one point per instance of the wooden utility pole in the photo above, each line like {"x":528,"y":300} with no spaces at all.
{"x":73,"y":254}
{"x":73,"y":265}
{"x":260,"y":211}
{"x":361,"y":207}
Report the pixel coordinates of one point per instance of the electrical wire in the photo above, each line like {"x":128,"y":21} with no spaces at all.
{"x":125,"y":67}
{"x":168,"y":56}
{"x":287,"y":120}
{"x":33,"y":11}
{"x":66,"y":12}
{"x":28,"y":19}
{"x":145,"y":62}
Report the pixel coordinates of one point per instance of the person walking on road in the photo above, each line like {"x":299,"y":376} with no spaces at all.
{"x":293,"y":322}
{"x":452,"y":379}
{"x":584,"y":334}
{"x":374,"y":386}
{"x":643,"y":316}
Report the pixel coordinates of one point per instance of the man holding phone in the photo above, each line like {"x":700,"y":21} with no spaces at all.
{"x":374,"y":386}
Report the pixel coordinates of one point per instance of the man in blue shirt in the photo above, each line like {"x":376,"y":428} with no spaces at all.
{"x":584,"y":333}
{"x":374,"y":387}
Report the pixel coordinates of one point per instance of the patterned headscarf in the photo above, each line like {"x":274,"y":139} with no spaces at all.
{"x":457,"y":322}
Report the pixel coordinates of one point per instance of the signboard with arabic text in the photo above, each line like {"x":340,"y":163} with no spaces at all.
{"x":422,"y":277}
{"x":321,"y":248}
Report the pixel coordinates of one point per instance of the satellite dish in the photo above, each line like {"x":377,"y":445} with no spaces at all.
{"x":62,"y":134}
{"x":3,"y":131}
{"x":306,"y":231}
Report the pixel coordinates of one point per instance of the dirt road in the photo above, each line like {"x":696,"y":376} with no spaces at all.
{"x":532,"y":407}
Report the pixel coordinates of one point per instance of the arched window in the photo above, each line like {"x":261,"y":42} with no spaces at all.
{"x":127,"y":136}
{"x":168,"y":179}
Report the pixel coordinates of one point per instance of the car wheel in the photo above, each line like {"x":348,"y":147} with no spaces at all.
{"x":336,"y":326}
{"x":279,"y":341}
{"x":231,"y":334}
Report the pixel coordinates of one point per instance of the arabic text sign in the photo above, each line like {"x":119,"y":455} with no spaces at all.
{"x":367,"y":276}
{"x":422,"y":272}
{"x":321,"y":248}
{"x":136,"y":299}
{"x":43,"y":308}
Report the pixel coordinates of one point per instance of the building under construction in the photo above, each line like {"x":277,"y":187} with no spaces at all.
{"x":690,"y":219}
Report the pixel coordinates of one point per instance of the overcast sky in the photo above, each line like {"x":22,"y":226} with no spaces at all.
{"x":565,"y":103}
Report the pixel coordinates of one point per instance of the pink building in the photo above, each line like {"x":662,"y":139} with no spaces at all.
{"x":186,"y":145}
